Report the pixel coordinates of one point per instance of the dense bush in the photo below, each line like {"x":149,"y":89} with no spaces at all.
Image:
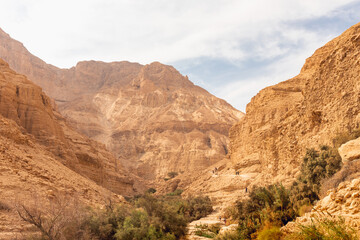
{"x":316,"y":166}
{"x":272,"y":233}
{"x":266,"y":206}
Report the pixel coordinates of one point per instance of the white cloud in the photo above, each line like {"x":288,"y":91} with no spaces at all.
{"x":143,"y":30}
{"x":65,"y":32}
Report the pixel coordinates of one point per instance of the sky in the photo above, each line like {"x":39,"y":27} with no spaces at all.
{"x":232,"y":48}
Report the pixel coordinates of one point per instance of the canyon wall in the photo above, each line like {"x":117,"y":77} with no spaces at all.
{"x":27,"y":105}
{"x":151,"y":117}
{"x":304,"y":112}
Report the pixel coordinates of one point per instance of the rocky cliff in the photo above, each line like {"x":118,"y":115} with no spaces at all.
{"x":283,"y":120}
{"x":27,"y":105}
{"x":40,"y":156}
{"x":154,"y":119}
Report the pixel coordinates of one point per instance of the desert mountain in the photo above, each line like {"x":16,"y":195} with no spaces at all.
{"x":283,"y":120}
{"x":154,"y":119}
{"x":41,"y":157}
{"x":26,"y":104}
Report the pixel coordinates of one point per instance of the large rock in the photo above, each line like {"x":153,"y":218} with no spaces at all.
{"x":154,"y":119}
{"x":342,"y":202}
{"x":350,"y":151}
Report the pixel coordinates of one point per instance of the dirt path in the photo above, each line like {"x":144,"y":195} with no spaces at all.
{"x":213,"y":218}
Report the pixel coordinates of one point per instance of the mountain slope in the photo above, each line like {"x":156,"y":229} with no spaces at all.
{"x":303,"y":112}
{"x":154,"y":119}
{"x":40,"y":156}
{"x":26,"y":104}
{"x":281,"y":121}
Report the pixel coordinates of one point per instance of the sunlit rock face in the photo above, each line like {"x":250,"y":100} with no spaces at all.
{"x":30,"y":108}
{"x":308,"y":110}
{"x":41,"y":158}
{"x":151,"y":117}
{"x":282,"y":121}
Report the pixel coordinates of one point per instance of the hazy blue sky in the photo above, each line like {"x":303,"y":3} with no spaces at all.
{"x":232,"y":48}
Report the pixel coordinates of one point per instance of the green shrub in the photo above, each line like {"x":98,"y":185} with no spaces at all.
{"x":135,"y":226}
{"x":229,"y":235}
{"x":198,"y":207}
{"x":265,"y":205}
{"x":204,"y":231}
{"x":324,"y":229}
{"x":316,"y":166}
{"x":272,"y":233}
{"x":208,"y":231}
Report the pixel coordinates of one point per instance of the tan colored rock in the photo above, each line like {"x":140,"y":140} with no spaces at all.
{"x":28,"y":171}
{"x":349,"y":210}
{"x":308,"y":110}
{"x":27,"y":105}
{"x":154,"y":119}
{"x":350,"y":151}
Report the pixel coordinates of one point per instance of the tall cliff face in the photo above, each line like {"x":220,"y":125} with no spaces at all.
{"x":26,"y":104}
{"x":281,"y":121}
{"x":41,"y":158}
{"x":303,"y":112}
{"x":154,"y":119}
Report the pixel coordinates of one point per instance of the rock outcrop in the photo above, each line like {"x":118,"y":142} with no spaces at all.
{"x":282,"y":121}
{"x":350,"y":151}
{"x":30,"y":172}
{"x":154,"y":119}
{"x":342,"y":202}
{"x":27,"y":105}
{"x":311,"y":109}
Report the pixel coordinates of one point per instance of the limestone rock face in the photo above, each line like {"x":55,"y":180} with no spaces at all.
{"x":283,"y":120}
{"x":344,"y":202}
{"x":27,"y":105}
{"x":154,"y":119}
{"x":28,"y":171}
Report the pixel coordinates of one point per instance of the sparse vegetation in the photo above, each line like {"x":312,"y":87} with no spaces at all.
{"x":146,"y":217}
{"x":324,"y":229}
{"x":62,"y":218}
{"x":208,"y":231}
{"x":269,"y":208}
{"x":344,"y":137}
{"x":177,"y":192}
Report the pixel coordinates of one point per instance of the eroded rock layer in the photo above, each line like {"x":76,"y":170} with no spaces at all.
{"x":27,"y":105}
{"x":283,"y":120}
{"x":154,"y":119}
